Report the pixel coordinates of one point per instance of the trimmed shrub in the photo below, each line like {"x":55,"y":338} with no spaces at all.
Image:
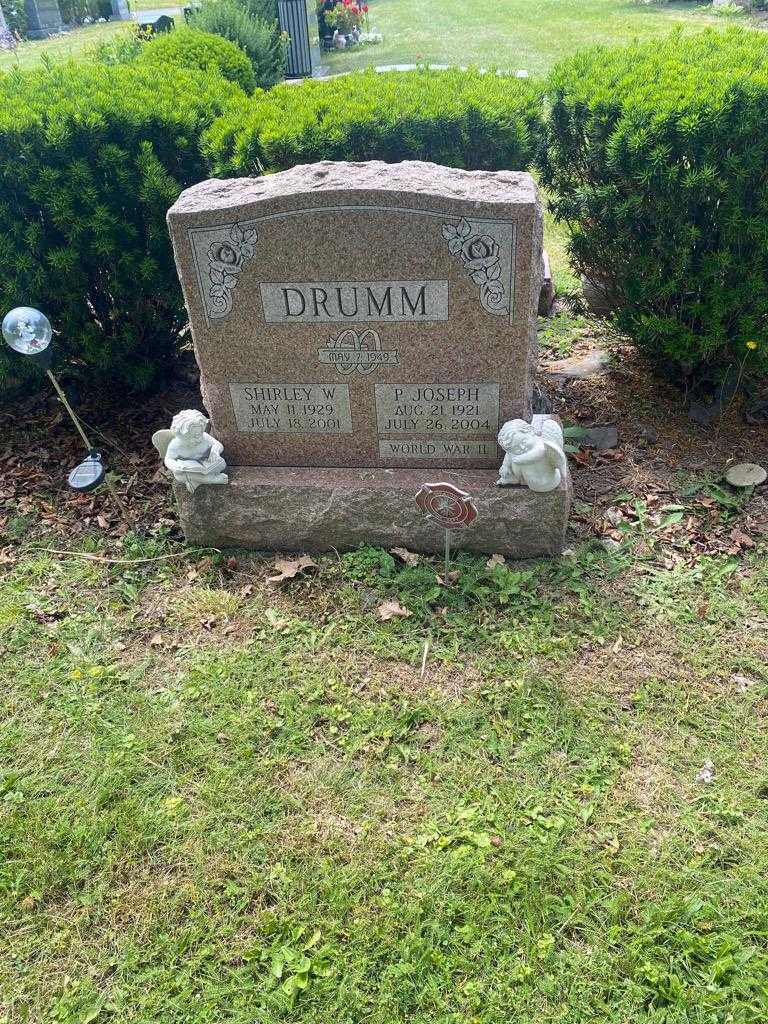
{"x":460,"y":118}
{"x":91,"y":157}
{"x":265,"y":45}
{"x":656,"y":154}
{"x":201,"y":51}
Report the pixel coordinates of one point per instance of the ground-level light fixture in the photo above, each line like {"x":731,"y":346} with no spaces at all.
{"x":28,"y":332}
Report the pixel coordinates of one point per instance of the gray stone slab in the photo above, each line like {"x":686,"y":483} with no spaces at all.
{"x":547,"y":293}
{"x":291,"y":509}
{"x":580,"y":367}
{"x":43,"y":18}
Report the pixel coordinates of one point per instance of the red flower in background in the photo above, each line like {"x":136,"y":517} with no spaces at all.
{"x":365,"y":8}
{"x":355,"y":9}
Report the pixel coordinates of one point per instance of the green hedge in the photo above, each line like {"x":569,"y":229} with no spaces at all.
{"x":656,"y":155}
{"x":265,"y":44}
{"x":201,"y":51}
{"x":91,"y":157}
{"x":459,"y":118}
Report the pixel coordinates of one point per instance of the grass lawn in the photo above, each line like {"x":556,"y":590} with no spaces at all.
{"x":223,"y":800}
{"x":76,"y":44}
{"x":516,"y":34}
{"x":513,"y":34}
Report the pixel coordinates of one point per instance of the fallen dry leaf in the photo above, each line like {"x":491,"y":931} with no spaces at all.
{"x":494,"y":560}
{"x":390,"y":609}
{"x":409,"y":557}
{"x":453,"y":575}
{"x":741,"y":539}
{"x":287,"y":568}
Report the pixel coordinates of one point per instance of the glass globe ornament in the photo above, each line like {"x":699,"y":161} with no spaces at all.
{"x":27,"y":330}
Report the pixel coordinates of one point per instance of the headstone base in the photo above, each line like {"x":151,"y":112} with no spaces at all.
{"x":276,"y":509}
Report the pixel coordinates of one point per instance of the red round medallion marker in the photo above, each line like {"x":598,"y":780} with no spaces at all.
{"x":449,"y":507}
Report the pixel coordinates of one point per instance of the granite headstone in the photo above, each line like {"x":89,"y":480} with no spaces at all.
{"x":355,"y":319}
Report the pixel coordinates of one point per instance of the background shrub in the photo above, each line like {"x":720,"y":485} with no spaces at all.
{"x":201,"y":51}
{"x":121,"y":48}
{"x":15,"y":15}
{"x":264,"y":9}
{"x":91,"y":157}
{"x":657,"y":156}
{"x":265,"y":45}
{"x":459,"y":118}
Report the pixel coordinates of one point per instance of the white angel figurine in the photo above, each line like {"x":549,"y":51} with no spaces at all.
{"x":193,"y":456}
{"x":535,"y":454}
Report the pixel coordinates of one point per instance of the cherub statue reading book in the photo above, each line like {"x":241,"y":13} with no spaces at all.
{"x":193,"y":456}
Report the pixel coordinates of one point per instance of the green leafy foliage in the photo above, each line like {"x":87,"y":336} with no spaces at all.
{"x":91,"y":157}
{"x":262,"y":40}
{"x":656,"y":155}
{"x":264,"y":9}
{"x":459,"y":118}
{"x":121,"y":48}
{"x":15,"y":15}
{"x":421,"y":589}
{"x":201,"y":51}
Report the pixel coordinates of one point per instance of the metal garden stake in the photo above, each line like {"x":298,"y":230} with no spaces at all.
{"x":449,"y":507}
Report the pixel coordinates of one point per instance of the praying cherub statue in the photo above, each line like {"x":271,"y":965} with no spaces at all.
{"x":535,"y":454}
{"x":193,"y":456}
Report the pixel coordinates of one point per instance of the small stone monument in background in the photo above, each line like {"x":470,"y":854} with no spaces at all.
{"x":360,"y":327}
{"x":43,"y":18}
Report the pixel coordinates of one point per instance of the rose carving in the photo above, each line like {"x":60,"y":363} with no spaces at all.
{"x":226,"y":258}
{"x":446,"y":505}
{"x":481,"y":256}
{"x":479,"y":253}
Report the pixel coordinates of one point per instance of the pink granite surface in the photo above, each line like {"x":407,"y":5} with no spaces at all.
{"x":361,"y":228}
{"x":324,"y":509}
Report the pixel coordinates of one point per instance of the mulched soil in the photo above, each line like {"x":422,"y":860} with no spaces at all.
{"x":662,"y":456}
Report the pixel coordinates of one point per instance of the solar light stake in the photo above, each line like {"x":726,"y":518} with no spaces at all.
{"x":69,"y":409}
{"x":28,"y":331}
{"x":78,"y":426}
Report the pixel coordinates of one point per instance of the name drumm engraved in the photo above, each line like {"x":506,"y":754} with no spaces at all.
{"x":355,"y":301}
{"x":292,"y":408}
{"x":437,"y":408}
